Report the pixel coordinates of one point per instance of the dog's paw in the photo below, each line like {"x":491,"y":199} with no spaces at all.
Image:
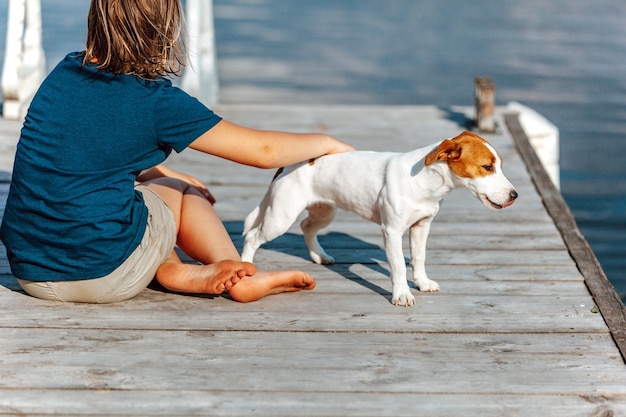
{"x":322,"y":258}
{"x":427,"y":285}
{"x":405,"y":299}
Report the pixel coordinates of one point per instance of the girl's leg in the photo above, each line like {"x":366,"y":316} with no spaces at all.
{"x":202,"y":236}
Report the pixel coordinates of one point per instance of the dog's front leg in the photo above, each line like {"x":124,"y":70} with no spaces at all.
{"x":418,"y":235}
{"x":400,"y":293}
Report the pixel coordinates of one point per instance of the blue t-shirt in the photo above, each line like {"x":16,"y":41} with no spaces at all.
{"x":72,"y":211}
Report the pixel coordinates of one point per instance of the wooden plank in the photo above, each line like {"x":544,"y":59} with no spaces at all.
{"x":347,"y":280}
{"x":220,"y":403}
{"x":362,"y":306}
{"x":434,"y":256}
{"x":369,"y":232}
{"x":328,"y":362}
{"x":442,"y":272}
{"x":444,"y":225}
{"x":360,"y":236}
{"x":456,"y":274}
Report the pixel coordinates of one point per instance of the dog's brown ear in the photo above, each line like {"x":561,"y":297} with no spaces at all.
{"x":446,"y":151}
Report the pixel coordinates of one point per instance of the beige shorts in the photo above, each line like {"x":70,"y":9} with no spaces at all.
{"x":130,"y":278}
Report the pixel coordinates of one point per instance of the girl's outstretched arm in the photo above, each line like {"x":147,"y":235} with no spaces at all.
{"x":264,"y":148}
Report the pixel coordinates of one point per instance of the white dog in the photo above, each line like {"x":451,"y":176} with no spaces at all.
{"x":399,"y":191}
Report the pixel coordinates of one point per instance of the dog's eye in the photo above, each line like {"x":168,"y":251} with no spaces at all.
{"x":488,"y":168}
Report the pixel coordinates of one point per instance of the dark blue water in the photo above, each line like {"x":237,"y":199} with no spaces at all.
{"x":566,"y":59}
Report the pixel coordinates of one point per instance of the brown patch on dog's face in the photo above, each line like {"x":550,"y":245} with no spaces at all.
{"x":467,"y":155}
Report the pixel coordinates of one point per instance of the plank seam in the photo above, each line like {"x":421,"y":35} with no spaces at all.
{"x":569,"y":331}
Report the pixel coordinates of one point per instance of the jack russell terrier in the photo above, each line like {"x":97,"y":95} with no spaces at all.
{"x":399,"y":191}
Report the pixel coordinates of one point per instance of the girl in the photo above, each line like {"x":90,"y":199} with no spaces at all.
{"x":87,"y":218}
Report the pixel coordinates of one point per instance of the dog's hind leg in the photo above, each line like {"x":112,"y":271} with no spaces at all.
{"x":320,"y":216}
{"x":266,"y":223}
{"x":251,"y":242}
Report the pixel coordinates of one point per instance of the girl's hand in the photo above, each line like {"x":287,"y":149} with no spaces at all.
{"x":161,"y":171}
{"x":341,"y":147}
{"x":194,"y":182}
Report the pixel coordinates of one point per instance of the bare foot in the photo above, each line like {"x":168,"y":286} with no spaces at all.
{"x":206,"y":279}
{"x":252,"y":288}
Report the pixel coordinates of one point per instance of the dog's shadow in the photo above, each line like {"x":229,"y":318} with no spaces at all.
{"x":346,"y":249}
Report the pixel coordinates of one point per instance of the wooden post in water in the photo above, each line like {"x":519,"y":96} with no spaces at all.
{"x":485,"y":102}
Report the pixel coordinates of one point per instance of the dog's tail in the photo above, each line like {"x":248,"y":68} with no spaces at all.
{"x":252,"y":220}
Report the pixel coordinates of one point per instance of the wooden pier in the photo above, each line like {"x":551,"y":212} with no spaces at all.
{"x":515,"y":330}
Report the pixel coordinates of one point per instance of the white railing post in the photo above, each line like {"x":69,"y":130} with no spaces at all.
{"x":544,"y":138}
{"x":24,"y":60}
{"x":200,"y":76}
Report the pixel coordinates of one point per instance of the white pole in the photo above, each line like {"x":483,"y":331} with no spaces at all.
{"x":34,"y":57}
{"x":200,"y":76}
{"x":12,"y":58}
{"x":24,"y":61}
{"x":544,"y":138}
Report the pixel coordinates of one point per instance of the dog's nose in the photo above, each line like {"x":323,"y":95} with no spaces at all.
{"x":513,"y":194}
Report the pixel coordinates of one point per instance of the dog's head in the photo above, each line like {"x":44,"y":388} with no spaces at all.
{"x":477,"y":166}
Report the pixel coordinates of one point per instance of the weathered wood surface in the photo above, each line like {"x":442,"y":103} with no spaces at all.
{"x":511,"y":333}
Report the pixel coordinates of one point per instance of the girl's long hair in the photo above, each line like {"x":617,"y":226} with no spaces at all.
{"x":136,"y":37}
